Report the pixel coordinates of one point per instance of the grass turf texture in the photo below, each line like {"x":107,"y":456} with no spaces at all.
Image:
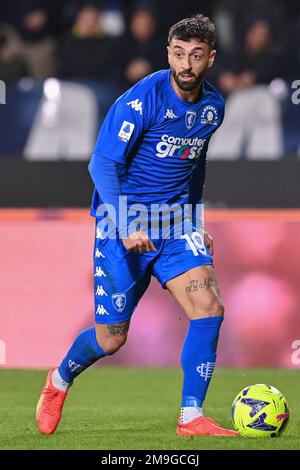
{"x":135,"y":408}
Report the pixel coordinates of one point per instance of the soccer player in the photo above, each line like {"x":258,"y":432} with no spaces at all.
{"x":152,"y":149}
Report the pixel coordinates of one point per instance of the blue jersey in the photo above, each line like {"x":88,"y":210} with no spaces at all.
{"x":159,"y":141}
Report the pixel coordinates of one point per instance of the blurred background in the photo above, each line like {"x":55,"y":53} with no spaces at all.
{"x":62,"y":64}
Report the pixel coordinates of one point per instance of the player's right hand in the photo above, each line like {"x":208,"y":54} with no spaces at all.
{"x":138,"y":242}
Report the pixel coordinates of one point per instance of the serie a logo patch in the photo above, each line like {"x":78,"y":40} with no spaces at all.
{"x":126,"y":131}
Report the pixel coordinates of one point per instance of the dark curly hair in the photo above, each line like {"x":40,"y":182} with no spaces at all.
{"x":195,"y":27}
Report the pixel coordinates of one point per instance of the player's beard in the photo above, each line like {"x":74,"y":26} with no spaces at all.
{"x":187,"y":86}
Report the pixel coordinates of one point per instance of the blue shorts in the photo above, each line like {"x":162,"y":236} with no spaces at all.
{"x":121,"y":278}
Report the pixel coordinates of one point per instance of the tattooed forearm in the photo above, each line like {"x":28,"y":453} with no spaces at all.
{"x":195,"y":284}
{"x":118,"y":329}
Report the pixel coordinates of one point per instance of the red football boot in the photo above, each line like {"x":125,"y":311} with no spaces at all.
{"x":49,"y":407}
{"x":203,"y":426}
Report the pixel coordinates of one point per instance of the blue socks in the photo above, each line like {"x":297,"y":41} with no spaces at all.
{"x":198,"y":359}
{"x":83,"y":353}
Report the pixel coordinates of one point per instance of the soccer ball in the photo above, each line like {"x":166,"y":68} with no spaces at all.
{"x":260,"y":411}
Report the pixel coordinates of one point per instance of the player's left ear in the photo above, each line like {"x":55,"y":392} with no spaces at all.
{"x":212,"y":57}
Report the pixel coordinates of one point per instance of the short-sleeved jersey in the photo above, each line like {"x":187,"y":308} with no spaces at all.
{"x":159,"y":140}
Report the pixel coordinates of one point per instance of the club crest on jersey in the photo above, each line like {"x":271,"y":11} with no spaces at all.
{"x":209,"y":115}
{"x":119,"y":301}
{"x":190,"y":118}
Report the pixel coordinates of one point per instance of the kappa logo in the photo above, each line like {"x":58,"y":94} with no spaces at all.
{"x":170,"y":114}
{"x":99,"y":234}
{"x":100,"y":291}
{"x":119,"y":301}
{"x":190,"y":118}
{"x":137,"y":105}
{"x":126,"y":131}
{"x":99,"y":272}
{"x":101,"y":310}
{"x":99,"y":254}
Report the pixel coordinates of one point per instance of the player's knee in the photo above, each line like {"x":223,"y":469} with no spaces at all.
{"x":210,"y":307}
{"x":110,"y":343}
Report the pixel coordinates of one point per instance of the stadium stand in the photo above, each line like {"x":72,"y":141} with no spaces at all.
{"x":96,"y":49}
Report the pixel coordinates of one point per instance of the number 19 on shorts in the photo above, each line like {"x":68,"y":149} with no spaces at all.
{"x":196,"y":243}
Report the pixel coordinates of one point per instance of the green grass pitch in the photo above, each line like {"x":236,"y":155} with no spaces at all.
{"x":135,"y":408}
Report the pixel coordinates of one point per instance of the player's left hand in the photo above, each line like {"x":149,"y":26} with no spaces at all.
{"x":209,"y":241}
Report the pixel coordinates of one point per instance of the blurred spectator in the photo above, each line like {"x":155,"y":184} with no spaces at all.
{"x":246,"y":64}
{"x":256,"y":42}
{"x":12,"y":66}
{"x":36,"y":23}
{"x":145,"y":50}
{"x":244,"y":73}
{"x":279,"y":13}
{"x":112,"y":18}
{"x":255,"y":62}
{"x":88,"y":54}
{"x":86,"y":51}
